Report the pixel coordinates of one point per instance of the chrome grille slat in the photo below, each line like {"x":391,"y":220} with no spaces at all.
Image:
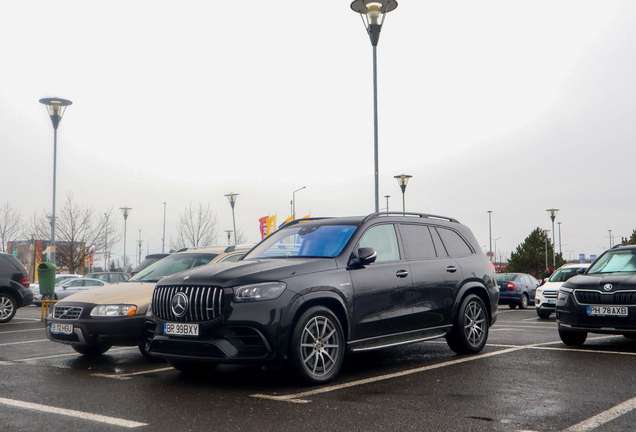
{"x":204,"y":302}
{"x":67,"y":312}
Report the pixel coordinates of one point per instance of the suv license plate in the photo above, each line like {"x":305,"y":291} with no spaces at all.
{"x":175,"y":329}
{"x":62,"y":328}
{"x":620,"y":311}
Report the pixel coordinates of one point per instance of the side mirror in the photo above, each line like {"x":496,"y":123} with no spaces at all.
{"x":581,"y":271}
{"x":362,"y":257}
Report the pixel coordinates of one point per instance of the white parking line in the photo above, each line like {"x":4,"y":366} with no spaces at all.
{"x":72,"y":413}
{"x":55,"y":356}
{"x":296,"y":398}
{"x":24,"y":342}
{"x":18,"y":331}
{"x":130,"y":375}
{"x":604,"y":417}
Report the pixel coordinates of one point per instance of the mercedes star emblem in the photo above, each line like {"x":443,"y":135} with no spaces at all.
{"x":607,"y":287}
{"x":179,"y":304}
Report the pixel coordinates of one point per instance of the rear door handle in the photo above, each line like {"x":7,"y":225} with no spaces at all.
{"x":451,"y":269}
{"x":402,"y":273}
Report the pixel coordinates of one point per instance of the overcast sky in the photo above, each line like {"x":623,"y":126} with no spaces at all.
{"x":508,"y":106}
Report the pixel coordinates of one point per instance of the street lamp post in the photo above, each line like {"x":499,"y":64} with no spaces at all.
{"x":294,"y":202}
{"x":553,"y":212}
{"x":372,"y":13}
{"x":232,"y":199}
{"x":56,"y":108}
{"x":560,"y":252}
{"x":403,"y":180}
{"x":229,"y":233}
{"x":490,"y":232}
{"x":495,"y":255}
{"x":106,"y":243}
{"x":545,"y":235}
{"x":125,"y":211}
{"x":610,"y":238}
{"x":163,"y":238}
{"x":140,"y":241}
{"x":387,"y":202}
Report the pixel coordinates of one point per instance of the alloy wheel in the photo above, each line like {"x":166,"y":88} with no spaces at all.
{"x":6,"y":307}
{"x":475,"y":323}
{"x":320,"y":346}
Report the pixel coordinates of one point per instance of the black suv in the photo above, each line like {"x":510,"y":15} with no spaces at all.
{"x":601,"y":299}
{"x":14,"y":287}
{"x":318,"y":288}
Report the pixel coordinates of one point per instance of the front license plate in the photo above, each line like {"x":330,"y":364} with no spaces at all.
{"x":551,"y":301}
{"x":175,"y":329}
{"x":61,"y":328}
{"x":620,"y":311}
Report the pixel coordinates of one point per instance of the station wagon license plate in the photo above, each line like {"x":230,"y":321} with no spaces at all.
{"x":61,"y":328}
{"x":620,"y":311}
{"x":175,"y":329}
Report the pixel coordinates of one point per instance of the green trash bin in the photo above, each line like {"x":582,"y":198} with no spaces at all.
{"x":46,"y":276}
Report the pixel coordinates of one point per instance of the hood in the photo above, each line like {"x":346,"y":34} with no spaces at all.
{"x":619,"y":282}
{"x":137,"y":293}
{"x":229,"y":274}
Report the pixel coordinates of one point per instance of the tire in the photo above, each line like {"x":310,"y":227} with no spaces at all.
{"x":523,"y":304}
{"x":512,"y":305}
{"x":543,"y":314}
{"x":193,"y":368}
{"x":572,"y":338}
{"x":470,"y":331}
{"x":93,"y":350}
{"x":8,"y":307}
{"x":317,"y":345}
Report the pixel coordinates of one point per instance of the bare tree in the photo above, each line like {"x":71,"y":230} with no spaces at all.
{"x":197,"y":227}
{"x":11,"y":225}
{"x":78,"y":232}
{"x":241,"y":238}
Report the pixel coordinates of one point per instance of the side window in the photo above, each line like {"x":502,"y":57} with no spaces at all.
{"x":103,"y":277}
{"x":525,"y":280}
{"x":455,"y":245}
{"x":418,"y":243}
{"x":233,"y":258}
{"x":439,"y":246}
{"x":383,"y":239}
{"x":533,"y":281}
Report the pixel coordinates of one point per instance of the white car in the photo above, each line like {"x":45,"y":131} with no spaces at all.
{"x":546,"y":295}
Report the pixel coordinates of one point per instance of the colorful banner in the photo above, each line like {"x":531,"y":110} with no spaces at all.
{"x":271,"y":224}
{"x":262,"y":222}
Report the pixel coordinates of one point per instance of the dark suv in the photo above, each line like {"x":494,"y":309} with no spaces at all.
{"x":318,"y":288}
{"x":601,"y":299}
{"x":14,"y":287}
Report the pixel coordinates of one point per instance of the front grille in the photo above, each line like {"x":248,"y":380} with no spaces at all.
{"x":550,"y":294}
{"x":66,"y":312}
{"x":623,"y":298}
{"x":204,"y":303}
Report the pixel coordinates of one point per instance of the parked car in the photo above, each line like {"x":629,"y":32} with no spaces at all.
{"x":546,"y":295}
{"x":110,"y":277}
{"x":35,"y":287}
{"x":600,"y":300}
{"x":148,"y":260}
{"x":14,"y":287}
{"x":516,"y":289}
{"x":353,"y":284}
{"x":94,"y":321}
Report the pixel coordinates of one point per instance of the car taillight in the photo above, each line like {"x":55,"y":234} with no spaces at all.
{"x":26,"y":282}
{"x":510,"y":285}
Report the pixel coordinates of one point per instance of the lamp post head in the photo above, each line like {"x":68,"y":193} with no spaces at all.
{"x":403,"y":180}
{"x":553,"y":212}
{"x":372,"y":13}
{"x":232,"y":198}
{"x":125,"y":211}
{"x":56,"y":108}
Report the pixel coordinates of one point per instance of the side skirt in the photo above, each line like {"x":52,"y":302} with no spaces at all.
{"x":398,"y":338}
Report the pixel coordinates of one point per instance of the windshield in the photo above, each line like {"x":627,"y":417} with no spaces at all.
{"x":563,"y":274}
{"x":172,"y":264}
{"x":615,"y":262}
{"x":325,"y":241}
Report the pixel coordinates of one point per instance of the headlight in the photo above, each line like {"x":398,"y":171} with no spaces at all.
{"x":114,"y":310}
{"x":563,"y":293}
{"x":257,"y":292}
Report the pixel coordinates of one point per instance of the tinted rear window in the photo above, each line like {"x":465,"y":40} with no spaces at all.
{"x":9,"y":262}
{"x":418,"y":243}
{"x":506,"y":277}
{"x":455,"y":245}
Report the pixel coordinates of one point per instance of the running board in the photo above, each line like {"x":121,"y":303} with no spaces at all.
{"x":398,"y":339}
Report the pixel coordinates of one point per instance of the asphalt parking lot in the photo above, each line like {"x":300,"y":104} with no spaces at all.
{"x":524,"y":380}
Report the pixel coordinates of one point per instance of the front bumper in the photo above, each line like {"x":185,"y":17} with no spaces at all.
{"x":573,"y":316}
{"x":91,"y":331}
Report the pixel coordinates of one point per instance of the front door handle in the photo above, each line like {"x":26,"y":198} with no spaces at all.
{"x":451,"y":269}
{"x":402,"y":273}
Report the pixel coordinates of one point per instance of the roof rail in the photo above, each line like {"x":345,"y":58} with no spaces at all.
{"x":421,"y":215}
